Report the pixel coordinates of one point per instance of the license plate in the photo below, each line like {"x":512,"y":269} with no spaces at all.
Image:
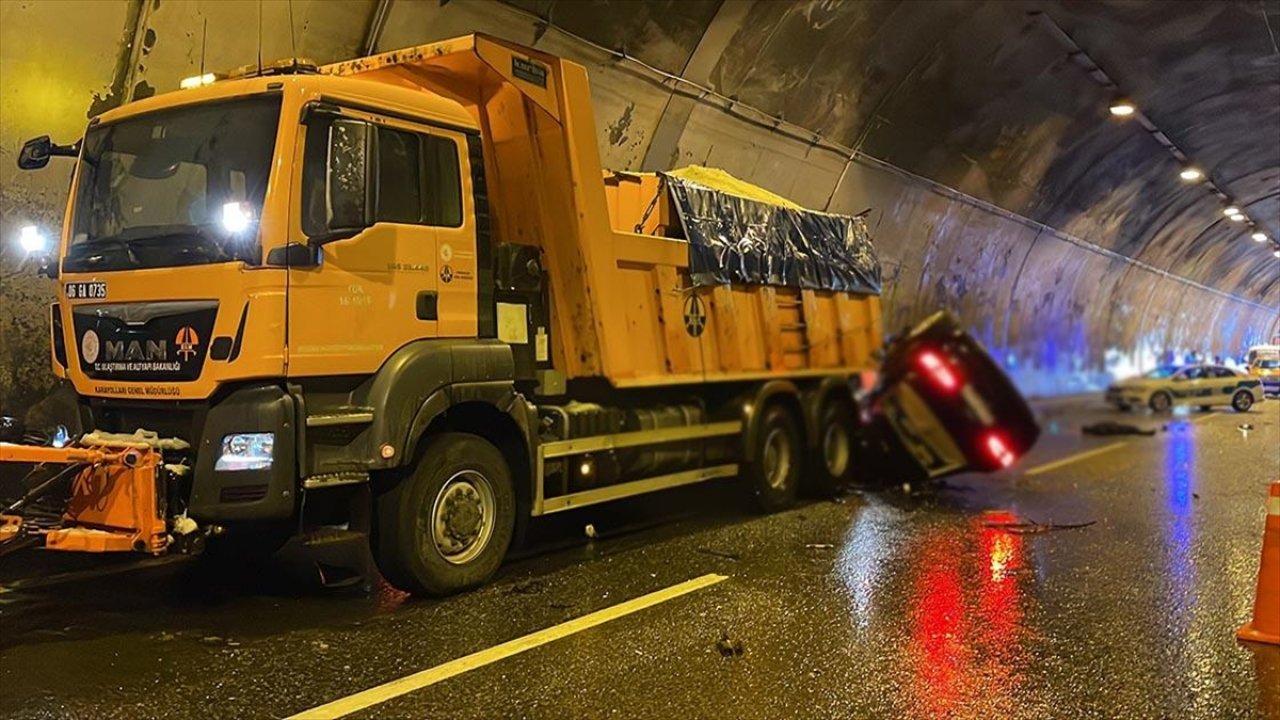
{"x":86,"y":290}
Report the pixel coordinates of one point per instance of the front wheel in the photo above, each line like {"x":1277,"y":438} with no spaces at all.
{"x":1161,"y":402}
{"x":775,"y":462}
{"x":446,"y":527}
{"x":1242,"y":401}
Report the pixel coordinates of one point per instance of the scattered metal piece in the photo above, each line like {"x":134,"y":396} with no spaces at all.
{"x":1108,"y":427}
{"x":720,"y":553}
{"x":1031,"y":527}
{"x":729,"y":647}
{"x":590,"y":531}
{"x":1244,"y":429}
{"x":818,"y":546}
{"x":528,"y":587}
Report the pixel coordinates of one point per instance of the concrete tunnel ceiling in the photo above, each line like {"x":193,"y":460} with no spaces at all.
{"x":977,"y":96}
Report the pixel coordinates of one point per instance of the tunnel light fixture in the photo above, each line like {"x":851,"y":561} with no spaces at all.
{"x":196,"y":81}
{"x":1238,"y":217}
{"x":1123,"y":107}
{"x":1276,"y":253}
{"x":1191,"y":174}
{"x":32,"y":240}
{"x":1231,"y":210}
{"x":237,"y":217}
{"x":1259,"y":237}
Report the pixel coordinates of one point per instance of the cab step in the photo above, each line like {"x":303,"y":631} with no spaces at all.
{"x":334,"y":479}
{"x":341,"y":416}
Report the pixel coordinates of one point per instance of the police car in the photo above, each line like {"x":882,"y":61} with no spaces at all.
{"x":1197,"y":385}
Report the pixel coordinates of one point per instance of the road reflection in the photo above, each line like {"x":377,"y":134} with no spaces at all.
{"x":967,"y":651}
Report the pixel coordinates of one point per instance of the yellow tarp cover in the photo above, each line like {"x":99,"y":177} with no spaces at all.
{"x":718,"y":179}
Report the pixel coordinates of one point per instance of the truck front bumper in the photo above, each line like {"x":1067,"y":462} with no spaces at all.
{"x":256,"y":492}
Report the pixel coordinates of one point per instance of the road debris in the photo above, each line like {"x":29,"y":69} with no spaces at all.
{"x":528,"y":587}
{"x":720,"y":553}
{"x":729,"y":647}
{"x":818,"y":546}
{"x":1244,"y":429}
{"x":590,"y":531}
{"x":1108,"y":427}
{"x":1011,"y":524}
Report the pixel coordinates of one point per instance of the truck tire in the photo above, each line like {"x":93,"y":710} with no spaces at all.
{"x":446,"y":526}
{"x":832,"y":461}
{"x":1242,"y":401}
{"x":775,"y":463}
{"x":1161,"y":401}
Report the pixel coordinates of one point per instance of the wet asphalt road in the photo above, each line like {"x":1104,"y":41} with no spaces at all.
{"x":887,"y":604}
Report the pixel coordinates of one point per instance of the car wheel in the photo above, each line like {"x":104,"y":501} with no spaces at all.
{"x":1161,"y":401}
{"x":1242,"y":401}
{"x":1205,"y":408}
{"x":446,"y":527}
{"x":1123,"y":407}
{"x":775,"y":467}
{"x":832,"y":462}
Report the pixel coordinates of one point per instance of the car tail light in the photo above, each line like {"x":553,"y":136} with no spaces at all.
{"x":999,"y":451}
{"x":938,"y":372}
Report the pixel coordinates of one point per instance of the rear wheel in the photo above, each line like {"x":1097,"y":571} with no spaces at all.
{"x":1161,"y":401}
{"x":832,"y":463}
{"x":446,"y":527}
{"x":776,"y":460}
{"x":1242,"y":401}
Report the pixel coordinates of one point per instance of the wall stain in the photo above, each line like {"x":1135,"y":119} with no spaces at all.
{"x":617,"y":130}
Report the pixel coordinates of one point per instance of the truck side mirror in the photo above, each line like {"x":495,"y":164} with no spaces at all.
{"x":47,"y":266}
{"x":35,"y":153}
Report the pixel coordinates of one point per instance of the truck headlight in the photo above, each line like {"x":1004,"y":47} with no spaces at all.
{"x":246,"y":451}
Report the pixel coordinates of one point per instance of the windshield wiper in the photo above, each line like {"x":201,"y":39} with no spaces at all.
{"x":81,"y":250}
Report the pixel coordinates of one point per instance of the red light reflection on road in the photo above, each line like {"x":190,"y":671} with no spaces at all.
{"x":967,"y":654}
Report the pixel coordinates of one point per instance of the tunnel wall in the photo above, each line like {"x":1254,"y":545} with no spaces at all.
{"x":1062,"y":312}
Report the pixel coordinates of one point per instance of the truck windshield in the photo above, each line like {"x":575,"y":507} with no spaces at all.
{"x":174,"y":187}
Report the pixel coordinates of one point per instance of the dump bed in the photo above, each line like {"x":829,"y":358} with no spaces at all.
{"x":627,"y":302}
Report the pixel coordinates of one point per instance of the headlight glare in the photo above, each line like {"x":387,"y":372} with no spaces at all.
{"x":246,"y":451}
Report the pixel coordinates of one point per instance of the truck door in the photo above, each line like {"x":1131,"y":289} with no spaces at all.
{"x":404,"y":266}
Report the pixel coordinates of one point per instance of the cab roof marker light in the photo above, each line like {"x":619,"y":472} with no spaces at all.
{"x":196,"y":81}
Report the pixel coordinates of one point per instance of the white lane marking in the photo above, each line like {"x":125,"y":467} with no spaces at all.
{"x":1073,"y":458}
{"x":90,"y":574}
{"x":431,"y":676}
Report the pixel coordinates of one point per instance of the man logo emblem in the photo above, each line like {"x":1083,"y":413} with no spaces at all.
{"x":446,"y":274}
{"x":89,"y":347}
{"x":695,"y":316}
{"x":187,"y":341}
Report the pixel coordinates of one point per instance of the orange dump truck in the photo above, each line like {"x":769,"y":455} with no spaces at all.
{"x":404,"y":284}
